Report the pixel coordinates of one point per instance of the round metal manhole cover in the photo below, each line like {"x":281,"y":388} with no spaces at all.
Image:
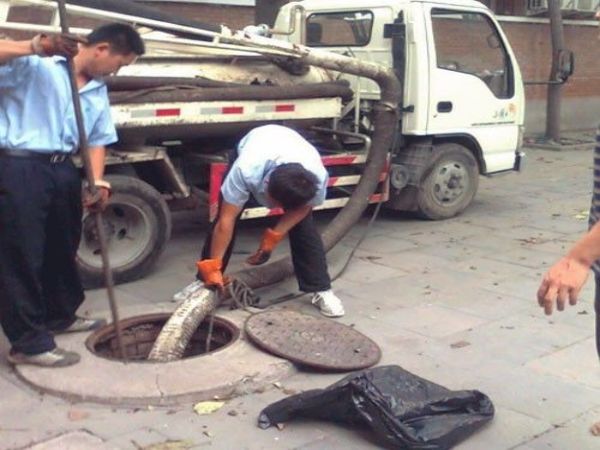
{"x":312,"y":341}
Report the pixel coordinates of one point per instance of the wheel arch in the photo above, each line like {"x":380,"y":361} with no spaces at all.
{"x":467,"y":141}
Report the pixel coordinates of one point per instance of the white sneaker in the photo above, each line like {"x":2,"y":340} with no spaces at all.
{"x":329,"y":304}
{"x":52,"y":358}
{"x":188,"y":291}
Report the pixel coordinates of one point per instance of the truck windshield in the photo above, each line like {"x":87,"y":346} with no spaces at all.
{"x":344,"y":29}
{"x":469,"y":42}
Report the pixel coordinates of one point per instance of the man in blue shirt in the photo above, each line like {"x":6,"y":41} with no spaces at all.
{"x":280,"y":169}
{"x":40,"y":188}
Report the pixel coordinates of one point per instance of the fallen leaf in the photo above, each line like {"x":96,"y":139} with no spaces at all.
{"x":583,"y":313}
{"x":277,"y":384}
{"x":280,"y":426}
{"x":460,"y":344}
{"x":208,"y":434}
{"x":170,"y":445}
{"x":582,"y":215}
{"x":232,"y":413}
{"x":204,"y":408}
{"x":75,"y":415}
{"x":595,"y":429}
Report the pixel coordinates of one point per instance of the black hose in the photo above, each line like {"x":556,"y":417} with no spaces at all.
{"x":132,"y":83}
{"x":192,"y":94}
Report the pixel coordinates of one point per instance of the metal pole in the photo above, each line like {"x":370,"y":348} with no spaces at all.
{"x":87,"y":165}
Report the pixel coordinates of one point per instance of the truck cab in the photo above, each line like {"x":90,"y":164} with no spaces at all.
{"x":463,"y":92}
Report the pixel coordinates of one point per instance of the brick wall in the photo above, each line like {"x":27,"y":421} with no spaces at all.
{"x":531,"y":44}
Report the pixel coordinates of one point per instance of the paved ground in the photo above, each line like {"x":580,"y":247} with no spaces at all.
{"x":416,"y":288}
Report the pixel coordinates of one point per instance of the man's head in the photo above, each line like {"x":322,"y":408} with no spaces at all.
{"x":292,"y":186}
{"x":108,"y":48}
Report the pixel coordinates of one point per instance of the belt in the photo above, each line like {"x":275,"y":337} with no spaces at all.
{"x":49,"y":157}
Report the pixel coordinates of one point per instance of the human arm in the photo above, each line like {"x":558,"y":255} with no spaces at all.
{"x":42,"y":45}
{"x":211,"y":269}
{"x":99,"y":201}
{"x":14,"y":49}
{"x":273,"y":236}
{"x":564,"y":280}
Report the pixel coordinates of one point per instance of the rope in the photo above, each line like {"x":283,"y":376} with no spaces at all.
{"x":242,"y":295}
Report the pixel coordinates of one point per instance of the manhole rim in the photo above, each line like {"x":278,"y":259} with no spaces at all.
{"x":94,"y":338}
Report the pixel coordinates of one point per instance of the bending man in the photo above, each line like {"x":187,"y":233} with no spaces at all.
{"x":280,"y":169}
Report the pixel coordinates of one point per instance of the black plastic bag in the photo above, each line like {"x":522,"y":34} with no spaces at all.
{"x":403,"y":410}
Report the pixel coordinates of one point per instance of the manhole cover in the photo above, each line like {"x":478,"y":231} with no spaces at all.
{"x":312,"y":341}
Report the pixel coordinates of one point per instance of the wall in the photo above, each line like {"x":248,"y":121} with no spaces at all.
{"x":581,"y":101}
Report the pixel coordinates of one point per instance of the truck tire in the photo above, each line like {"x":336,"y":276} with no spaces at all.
{"x":138,"y":226}
{"x":449,"y":184}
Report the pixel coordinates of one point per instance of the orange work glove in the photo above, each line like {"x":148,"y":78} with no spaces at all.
{"x":269,"y":241}
{"x":210,"y":272}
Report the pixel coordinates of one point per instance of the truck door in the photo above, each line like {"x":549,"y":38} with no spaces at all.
{"x":472,"y":83}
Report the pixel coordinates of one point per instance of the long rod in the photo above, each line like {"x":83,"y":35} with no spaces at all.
{"x":87,"y":165}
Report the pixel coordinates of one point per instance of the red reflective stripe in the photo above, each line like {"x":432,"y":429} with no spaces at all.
{"x":168,"y":112}
{"x":337,"y":160}
{"x":232,"y":110}
{"x":285,"y":108}
{"x":275,"y":212}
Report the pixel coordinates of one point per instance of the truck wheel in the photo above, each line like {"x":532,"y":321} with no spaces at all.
{"x":450,"y":183}
{"x":138,"y":225}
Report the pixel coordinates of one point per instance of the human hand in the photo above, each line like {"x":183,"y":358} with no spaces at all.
{"x":56,"y":44}
{"x":210,"y":272}
{"x":96,"y":201}
{"x":268,"y":243}
{"x":562,"y":281}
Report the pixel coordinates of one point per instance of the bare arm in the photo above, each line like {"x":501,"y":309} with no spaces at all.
{"x":14,"y":49}
{"x":223,"y":230}
{"x":97,"y":157}
{"x":587,"y":249}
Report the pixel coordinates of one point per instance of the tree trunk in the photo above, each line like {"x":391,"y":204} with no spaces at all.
{"x":554,"y":90}
{"x":265,"y":11}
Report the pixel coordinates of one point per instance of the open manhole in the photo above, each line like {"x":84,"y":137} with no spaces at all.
{"x":140,"y":333}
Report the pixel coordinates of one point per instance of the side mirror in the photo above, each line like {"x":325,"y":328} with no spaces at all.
{"x":566,"y":64}
{"x":493,"y":41}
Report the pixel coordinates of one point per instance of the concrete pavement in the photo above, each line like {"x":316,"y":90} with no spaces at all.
{"x":451,"y":301}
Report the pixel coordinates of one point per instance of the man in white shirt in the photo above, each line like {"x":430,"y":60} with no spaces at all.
{"x":280,"y":169}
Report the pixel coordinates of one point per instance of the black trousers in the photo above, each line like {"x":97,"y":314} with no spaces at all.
{"x":597,"y":309}
{"x":40,"y":228}
{"x":308,"y":255}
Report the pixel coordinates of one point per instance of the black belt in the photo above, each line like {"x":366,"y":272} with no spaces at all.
{"x":49,"y":157}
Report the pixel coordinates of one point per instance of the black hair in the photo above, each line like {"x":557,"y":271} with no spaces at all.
{"x":292,"y":186}
{"x":123,"y":39}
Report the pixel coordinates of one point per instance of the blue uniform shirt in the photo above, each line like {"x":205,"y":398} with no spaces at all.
{"x":36,"y":107}
{"x":261,"y":151}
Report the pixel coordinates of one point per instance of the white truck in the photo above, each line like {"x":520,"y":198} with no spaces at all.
{"x":182,"y":107}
